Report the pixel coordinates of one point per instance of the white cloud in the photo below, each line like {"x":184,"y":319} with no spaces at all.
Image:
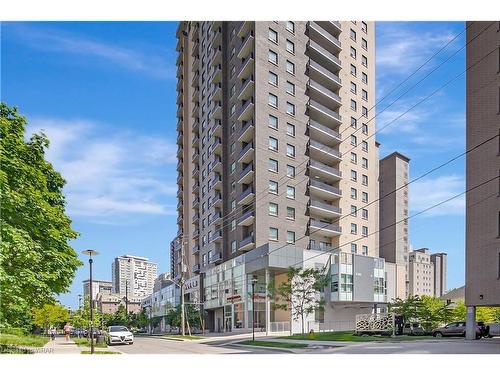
{"x":47,"y":39}
{"x":428,"y":192}
{"x":110,"y":173}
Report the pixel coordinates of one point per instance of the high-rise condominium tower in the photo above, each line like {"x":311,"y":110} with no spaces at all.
{"x":482,"y":268}
{"x":275,"y":138}
{"x":133,"y":275}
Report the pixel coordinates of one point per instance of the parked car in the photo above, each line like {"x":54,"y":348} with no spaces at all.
{"x":95,"y":330}
{"x":457,"y":329}
{"x":414,"y":329}
{"x":492,"y":330}
{"x":119,"y":335}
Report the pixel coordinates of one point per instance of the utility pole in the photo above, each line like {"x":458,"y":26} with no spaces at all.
{"x":182,"y":289}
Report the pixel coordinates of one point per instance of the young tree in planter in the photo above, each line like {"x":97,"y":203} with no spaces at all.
{"x":300,"y":294}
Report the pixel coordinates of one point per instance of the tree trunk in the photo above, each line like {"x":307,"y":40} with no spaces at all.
{"x":302,"y":318}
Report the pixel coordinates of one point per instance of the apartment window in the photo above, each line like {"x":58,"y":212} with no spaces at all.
{"x":353,"y":35}
{"x":364,"y":250}
{"x":232,"y":110}
{"x":364,"y":146}
{"x":290,"y":213}
{"x":233,"y":246}
{"x":273,"y":187}
{"x":233,"y":186}
{"x":272,"y":122}
{"x":364,"y":94}
{"x":273,"y":36}
{"x":354,"y":105}
{"x":273,"y":234}
{"x":364,"y":129}
{"x":354,"y":175}
{"x":233,"y":127}
{"x":273,"y":57}
{"x":233,"y":166}
{"x":290,"y":26}
{"x":364,"y":112}
{"x":233,"y":205}
{"x":290,"y":67}
{"x":290,"y":46}
{"x":353,"y":70}
{"x":364,"y":43}
{"x":353,"y":52}
{"x":365,"y":197}
{"x":364,"y":231}
{"x":290,"y":88}
{"x":290,"y":192}
{"x":354,"y":228}
{"x":354,"y":211}
{"x":290,"y":171}
{"x":364,"y":60}
{"x":290,"y":236}
{"x":273,"y":79}
{"x":233,"y":224}
{"x":273,"y":100}
{"x":364,"y":78}
{"x":233,"y":51}
{"x":354,"y":193}
{"x":273,"y":144}
{"x":290,"y":108}
{"x":354,"y":158}
{"x":273,"y":209}
{"x":232,"y":147}
{"x":364,"y":214}
{"x":364,"y":180}
{"x":204,"y":260}
{"x":354,"y":248}
{"x":354,"y":122}
{"x":354,"y":140}
{"x":354,"y":89}
{"x":364,"y":162}
{"x":290,"y":150}
{"x":290,"y":129}
{"x":233,"y":90}
{"x":273,"y":165}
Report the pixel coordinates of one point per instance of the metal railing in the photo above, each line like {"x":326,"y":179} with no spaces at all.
{"x":325,"y":148}
{"x":327,"y":226}
{"x":327,"y":110}
{"x":325,"y":129}
{"x":334,"y":326}
{"x":279,"y":326}
{"x":325,"y":186}
{"x":324,"y":52}
{"x":325,"y":71}
{"x":324,"y":167}
{"x":325,"y":206}
{"x":315,"y":85}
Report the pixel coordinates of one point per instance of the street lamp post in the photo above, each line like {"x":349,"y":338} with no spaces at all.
{"x":90,"y":252}
{"x":254,"y":281}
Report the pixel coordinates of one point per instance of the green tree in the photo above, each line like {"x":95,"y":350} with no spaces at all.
{"x":432,"y":312}
{"x":81,"y":317}
{"x":173,"y":317}
{"x":36,"y":261}
{"x":300,"y":293}
{"x":50,"y":315}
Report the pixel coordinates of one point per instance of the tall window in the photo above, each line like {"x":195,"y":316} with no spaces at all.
{"x":290,"y":26}
{"x":273,"y":209}
{"x":273,"y":234}
{"x":273,"y":144}
{"x":290,"y":192}
{"x":290,"y":150}
{"x":273,"y":100}
{"x":273,"y":79}
{"x":273,"y":165}
{"x":273,"y":122}
{"x":353,"y":52}
{"x":290,"y":46}
{"x":273,"y":187}
{"x":353,"y":70}
{"x":273,"y":36}
{"x":273,"y":57}
{"x":290,"y":108}
{"x":290,"y":67}
{"x":290,"y":129}
{"x":290,"y":213}
{"x":353,"y":35}
{"x":290,"y":171}
{"x":290,"y":236}
{"x":290,"y":88}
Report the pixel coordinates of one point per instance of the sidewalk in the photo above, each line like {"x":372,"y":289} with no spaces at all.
{"x":60,"y":346}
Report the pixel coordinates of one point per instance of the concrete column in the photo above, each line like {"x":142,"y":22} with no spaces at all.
{"x":268,"y":304}
{"x":470,"y":323}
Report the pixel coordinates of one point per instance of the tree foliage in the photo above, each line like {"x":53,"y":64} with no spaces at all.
{"x":36,"y":261}
{"x":50,"y":315}
{"x":193,"y":317}
{"x":300,"y":293}
{"x":81,"y":317}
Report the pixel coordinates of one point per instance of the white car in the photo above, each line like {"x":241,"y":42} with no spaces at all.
{"x":119,"y":335}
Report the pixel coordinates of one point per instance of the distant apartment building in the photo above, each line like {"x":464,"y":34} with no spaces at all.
{"x":275,"y":152}
{"x":133,"y":275}
{"x":107,"y":303}
{"x":482,"y":255}
{"x":394,"y":196}
{"x":420,"y":273}
{"x":98,"y":286}
{"x":439,"y":262}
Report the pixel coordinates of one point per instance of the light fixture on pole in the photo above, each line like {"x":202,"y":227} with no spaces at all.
{"x":91,"y":253}
{"x":254,"y":281}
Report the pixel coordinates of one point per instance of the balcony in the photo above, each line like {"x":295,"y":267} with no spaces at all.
{"x":216,"y":75}
{"x":195,"y":80}
{"x":216,"y":164}
{"x":323,"y":37}
{"x":180,"y":180}
{"x":196,"y":156}
{"x":216,"y":182}
{"x":214,"y":26}
{"x":217,"y":110}
{"x":179,"y":204}
{"x":247,"y":218}
{"x":196,"y":93}
{"x":246,"y":243}
{"x":216,"y":129}
{"x":323,"y":57}
{"x":216,"y":258}
{"x":217,"y":57}
{"x":217,"y":94}
{"x":196,"y":233}
{"x":179,"y":124}
{"x":196,"y":249}
{"x":196,"y":141}
{"x":324,"y":171}
{"x":322,"y":247}
{"x":180,"y":165}
{"x":180,"y":152}
{"x":196,"y":202}
{"x":323,"y":190}
{"x":215,"y":200}
{"x":196,"y":218}
{"x":180,"y":219}
{"x":180,"y":139}
{"x":196,"y":127}
{"x":327,"y":135}
{"x":180,"y":193}
{"x":246,"y":89}
{"x":322,"y":114}
{"x":320,"y":152}
{"x":216,"y":146}
{"x":247,"y":196}
{"x":246,"y":132}
{"x":196,"y":172}
{"x":324,"y":209}
{"x":180,"y":110}
{"x":196,"y":268}
{"x":196,"y":188}
{"x":216,"y":236}
{"x":196,"y":63}
{"x":216,"y":38}
{"x":246,"y":111}
{"x":246,"y":68}
{"x":324,"y":228}
{"x":247,"y":46}
{"x":215,"y":218}
{"x":179,"y":231}
{"x":323,"y":95}
{"x":246,"y":175}
{"x":244,"y":28}
{"x":246,"y":155}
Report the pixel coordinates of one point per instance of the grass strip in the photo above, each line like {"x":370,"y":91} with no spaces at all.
{"x":181,"y":338}
{"x":8,"y":339}
{"x":86,"y":342}
{"x":274,"y":344}
{"x":99,"y":352}
{"x":351,"y":337}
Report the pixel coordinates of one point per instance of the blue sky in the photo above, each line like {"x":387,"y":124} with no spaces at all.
{"x":105,"y":95}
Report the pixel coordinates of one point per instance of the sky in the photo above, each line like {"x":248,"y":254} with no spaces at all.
{"x":104,"y":93}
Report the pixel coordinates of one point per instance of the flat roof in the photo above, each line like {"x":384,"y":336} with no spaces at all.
{"x":397,"y":154}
